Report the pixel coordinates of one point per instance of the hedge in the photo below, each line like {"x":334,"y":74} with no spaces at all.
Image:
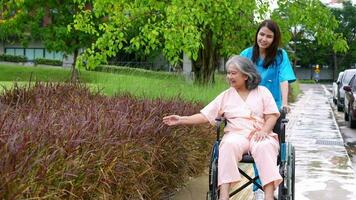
{"x":38,"y":61}
{"x":12,"y":58}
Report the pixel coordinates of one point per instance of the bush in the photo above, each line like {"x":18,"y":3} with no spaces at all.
{"x":294,"y":91}
{"x":43,"y":61}
{"x":12,"y":58}
{"x":63,"y":142}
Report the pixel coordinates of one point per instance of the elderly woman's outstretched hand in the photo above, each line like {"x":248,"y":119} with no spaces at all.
{"x":171,"y":120}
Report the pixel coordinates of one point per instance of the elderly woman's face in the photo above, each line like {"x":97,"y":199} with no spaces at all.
{"x":235,"y":77}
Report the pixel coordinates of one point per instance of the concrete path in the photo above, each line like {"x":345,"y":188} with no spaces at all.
{"x":323,"y":168}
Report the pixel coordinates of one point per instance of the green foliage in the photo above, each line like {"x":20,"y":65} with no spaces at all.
{"x":309,"y":51}
{"x":12,"y":58}
{"x":347,"y":19}
{"x":309,"y":19}
{"x":38,"y":61}
{"x":203,"y":30}
{"x":174,"y":27}
{"x":43,"y":20}
{"x":294,"y":91}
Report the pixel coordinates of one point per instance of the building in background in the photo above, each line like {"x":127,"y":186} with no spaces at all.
{"x":33,"y":51}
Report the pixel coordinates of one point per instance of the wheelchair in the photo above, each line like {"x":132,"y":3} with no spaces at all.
{"x":286,"y":163}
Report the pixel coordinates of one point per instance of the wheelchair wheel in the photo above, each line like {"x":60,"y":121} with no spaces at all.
{"x":213,"y":193}
{"x":291,"y":188}
{"x":286,"y":190}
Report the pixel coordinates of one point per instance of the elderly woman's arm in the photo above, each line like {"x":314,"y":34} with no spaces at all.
{"x":178,"y":120}
{"x":270,"y":122}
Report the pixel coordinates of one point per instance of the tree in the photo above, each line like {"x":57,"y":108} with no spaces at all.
{"x":347,"y":19}
{"x":202,"y":29}
{"x":46,"y":21}
{"x":308,"y":20}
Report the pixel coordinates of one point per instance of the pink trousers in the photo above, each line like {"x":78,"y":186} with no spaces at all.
{"x":264,"y":152}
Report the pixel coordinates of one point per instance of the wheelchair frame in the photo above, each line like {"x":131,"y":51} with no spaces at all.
{"x":286,"y":162}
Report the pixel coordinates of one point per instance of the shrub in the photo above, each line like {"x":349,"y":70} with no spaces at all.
{"x":294,"y":91}
{"x":43,"y":61}
{"x":63,"y":142}
{"x":12,"y":58}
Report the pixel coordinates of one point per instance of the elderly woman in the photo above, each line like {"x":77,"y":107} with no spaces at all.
{"x":251,"y":113}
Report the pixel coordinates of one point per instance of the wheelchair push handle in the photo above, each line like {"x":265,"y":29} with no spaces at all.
{"x":283,"y":115}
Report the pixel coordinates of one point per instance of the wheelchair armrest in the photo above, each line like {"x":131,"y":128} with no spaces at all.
{"x":218,"y":120}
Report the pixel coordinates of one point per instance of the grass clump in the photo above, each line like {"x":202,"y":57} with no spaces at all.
{"x":60,"y":141}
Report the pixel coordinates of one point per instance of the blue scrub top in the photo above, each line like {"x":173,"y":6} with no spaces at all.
{"x":278,"y":72}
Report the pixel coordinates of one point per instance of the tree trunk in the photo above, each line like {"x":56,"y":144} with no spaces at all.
{"x":47,"y":18}
{"x":204,"y":67}
{"x":294,"y":49}
{"x":74,"y":76}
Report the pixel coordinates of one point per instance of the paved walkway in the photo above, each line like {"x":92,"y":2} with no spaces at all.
{"x":323,"y":168}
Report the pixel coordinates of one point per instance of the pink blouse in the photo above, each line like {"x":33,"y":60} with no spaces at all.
{"x":243,"y":116}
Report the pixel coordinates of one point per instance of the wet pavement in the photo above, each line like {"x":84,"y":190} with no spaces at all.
{"x":348,"y":134}
{"x":323,"y":167}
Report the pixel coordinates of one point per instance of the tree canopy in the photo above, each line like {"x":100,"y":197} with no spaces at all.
{"x":204,"y":30}
{"x":308,"y":21}
{"x":43,"y":20}
{"x":311,"y":49}
{"x":347,"y":18}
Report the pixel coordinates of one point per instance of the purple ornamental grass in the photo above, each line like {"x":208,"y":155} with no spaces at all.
{"x":60,"y":141}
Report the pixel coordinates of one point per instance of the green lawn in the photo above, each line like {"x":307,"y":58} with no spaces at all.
{"x":137,"y":82}
{"x":142,"y":83}
{"x":26,"y":73}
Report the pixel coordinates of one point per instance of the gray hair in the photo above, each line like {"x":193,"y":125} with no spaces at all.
{"x":246,"y":67}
